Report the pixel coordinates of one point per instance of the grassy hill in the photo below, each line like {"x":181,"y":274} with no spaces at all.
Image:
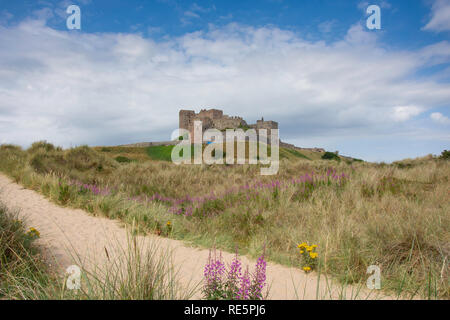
{"x":358,"y":213}
{"x":163,"y":153}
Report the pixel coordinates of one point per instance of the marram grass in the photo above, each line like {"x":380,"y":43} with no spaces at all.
{"x":358,"y":214}
{"x":137,"y":272}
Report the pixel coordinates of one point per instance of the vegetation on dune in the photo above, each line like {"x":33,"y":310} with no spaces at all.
{"x":331,"y":156}
{"x":357,"y":214}
{"x":122,"y":159}
{"x":162,"y":153}
{"x":445,"y":155}
{"x":20,"y":263}
{"x":294,"y":152}
{"x":136,"y":273}
{"x":232,"y":282}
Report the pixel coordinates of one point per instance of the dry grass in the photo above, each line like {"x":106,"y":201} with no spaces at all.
{"x":395,"y":216}
{"x":138,"y":271}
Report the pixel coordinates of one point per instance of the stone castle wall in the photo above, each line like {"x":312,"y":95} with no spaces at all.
{"x":214,"y":118}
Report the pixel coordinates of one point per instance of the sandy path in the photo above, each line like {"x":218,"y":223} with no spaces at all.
{"x":66,"y":233}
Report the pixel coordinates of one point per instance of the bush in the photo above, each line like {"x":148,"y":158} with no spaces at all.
{"x":122,"y":159}
{"x":41,"y":145}
{"x":84,"y":158}
{"x":10,"y":147}
{"x":63,"y":193}
{"x":445,"y":155}
{"x":22,"y":274}
{"x":44,"y":162}
{"x":74,"y":163}
{"x":330,"y":156}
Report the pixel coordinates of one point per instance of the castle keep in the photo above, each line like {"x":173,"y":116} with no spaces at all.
{"x":214,"y":118}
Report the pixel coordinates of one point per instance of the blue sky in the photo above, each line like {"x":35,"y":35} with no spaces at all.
{"x":313,"y":66}
{"x":320,"y":19}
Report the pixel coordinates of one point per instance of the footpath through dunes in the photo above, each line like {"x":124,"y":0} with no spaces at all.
{"x":69,"y":236}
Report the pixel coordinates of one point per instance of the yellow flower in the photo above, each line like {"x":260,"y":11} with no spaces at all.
{"x":302,"y":245}
{"x":314,"y":246}
{"x":309,"y":249}
{"x":306,"y":269}
{"x":301,"y":251}
{"x":34,"y":232}
{"x":313,"y":255}
{"x":168,"y":223}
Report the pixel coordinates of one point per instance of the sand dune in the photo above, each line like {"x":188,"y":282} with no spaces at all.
{"x":68,"y":233}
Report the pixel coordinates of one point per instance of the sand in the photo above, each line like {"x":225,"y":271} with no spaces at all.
{"x":69,"y":236}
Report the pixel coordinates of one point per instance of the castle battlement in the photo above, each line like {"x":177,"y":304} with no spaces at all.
{"x":214,"y":118}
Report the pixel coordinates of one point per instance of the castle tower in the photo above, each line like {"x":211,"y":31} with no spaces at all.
{"x":186,"y":120}
{"x":214,"y":118}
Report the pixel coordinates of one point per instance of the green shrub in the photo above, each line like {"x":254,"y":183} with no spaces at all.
{"x":445,"y":155}
{"x":41,"y":145}
{"x":122,"y":159}
{"x":10,"y":147}
{"x":84,"y":158}
{"x":74,"y":163}
{"x":63,"y":193}
{"x":330,"y":156}
{"x":44,"y":162}
{"x":22,"y":274}
{"x":402,"y":165}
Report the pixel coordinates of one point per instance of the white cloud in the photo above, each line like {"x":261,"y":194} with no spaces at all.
{"x":44,"y":13}
{"x":440,"y":16}
{"x":363,"y":5}
{"x":437,"y":53}
{"x":191,"y":14}
{"x":404,"y":113}
{"x":385,"y":5}
{"x":196,"y":8}
{"x":358,"y":35}
{"x":439,"y":118}
{"x":108,"y":88}
{"x":194,"y":12}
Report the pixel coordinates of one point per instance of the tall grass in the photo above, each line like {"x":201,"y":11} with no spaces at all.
{"x":141,"y":270}
{"x":138,"y":271}
{"x":23,"y":274}
{"x":394,"y":216}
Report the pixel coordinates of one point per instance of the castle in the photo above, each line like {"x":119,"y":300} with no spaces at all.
{"x":214,"y":118}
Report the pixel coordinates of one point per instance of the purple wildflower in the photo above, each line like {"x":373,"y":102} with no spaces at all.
{"x":234,"y":275}
{"x":213,"y":273}
{"x":243,"y":293}
{"x":259,"y":280}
